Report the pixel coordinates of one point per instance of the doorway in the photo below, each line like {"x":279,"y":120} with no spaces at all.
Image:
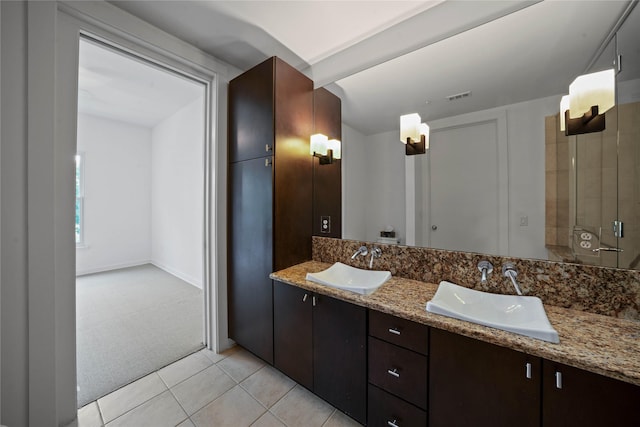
{"x":139,"y":218}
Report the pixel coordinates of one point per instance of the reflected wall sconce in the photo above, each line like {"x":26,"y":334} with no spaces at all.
{"x":414,"y":134}
{"x":327,"y":150}
{"x":590,"y":96}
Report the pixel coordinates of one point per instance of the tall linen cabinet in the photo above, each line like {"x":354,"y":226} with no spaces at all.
{"x":270,"y":193}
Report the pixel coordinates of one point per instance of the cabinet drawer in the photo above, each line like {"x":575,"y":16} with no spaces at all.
{"x":405,"y":333}
{"x":399,"y":371}
{"x":386,"y":410}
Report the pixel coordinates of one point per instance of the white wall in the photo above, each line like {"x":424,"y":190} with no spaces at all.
{"x":117,"y":206}
{"x":177,"y":188}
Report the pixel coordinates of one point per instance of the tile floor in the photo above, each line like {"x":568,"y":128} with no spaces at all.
{"x":207,"y":389}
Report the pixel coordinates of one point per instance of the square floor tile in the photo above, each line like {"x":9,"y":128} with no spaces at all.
{"x":186,"y":423}
{"x":216,"y":357}
{"x":240,"y":364}
{"x":268,"y":420}
{"x":204,"y":387}
{"x":268,"y":385}
{"x":89,"y":416}
{"x":184,"y":368}
{"x":161,"y":411}
{"x":235,"y":408}
{"x":300,"y":407}
{"x":125,"y":399}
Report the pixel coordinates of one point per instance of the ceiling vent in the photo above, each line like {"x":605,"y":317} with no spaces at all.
{"x":459,"y":96}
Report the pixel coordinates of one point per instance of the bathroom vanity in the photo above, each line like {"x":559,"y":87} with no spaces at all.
{"x":423,"y":368}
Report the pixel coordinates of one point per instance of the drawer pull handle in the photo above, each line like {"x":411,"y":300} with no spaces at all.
{"x":394,"y":331}
{"x":392,"y":423}
{"x":528,"y":370}
{"x":304,"y":298}
{"x":558,"y":380}
{"x":393,"y":373}
{"x":267,"y":148}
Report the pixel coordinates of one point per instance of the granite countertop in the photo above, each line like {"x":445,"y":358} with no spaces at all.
{"x":596,"y":343}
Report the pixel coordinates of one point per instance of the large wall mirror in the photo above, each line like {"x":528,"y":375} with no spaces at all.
{"x":498,"y":178}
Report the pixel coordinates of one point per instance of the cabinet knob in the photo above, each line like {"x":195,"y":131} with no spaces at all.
{"x":268,"y":161}
{"x":393,"y":372}
{"x":392,"y":423}
{"x":268,"y":148}
{"x":394,"y":331}
{"x":528,"y":370}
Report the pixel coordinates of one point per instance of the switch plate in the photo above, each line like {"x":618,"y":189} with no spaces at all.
{"x":325,"y":224}
{"x":524,"y":221}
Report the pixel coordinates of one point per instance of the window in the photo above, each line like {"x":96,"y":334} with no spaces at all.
{"x":79,"y":223}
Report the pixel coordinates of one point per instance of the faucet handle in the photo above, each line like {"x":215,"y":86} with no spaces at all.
{"x":362,"y":250}
{"x":485,"y":268}
{"x":509,"y":269}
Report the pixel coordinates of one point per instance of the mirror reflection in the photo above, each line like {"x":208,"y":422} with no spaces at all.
{"x":499,"y":176}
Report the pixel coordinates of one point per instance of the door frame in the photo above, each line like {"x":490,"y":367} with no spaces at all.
{"x":415,"y":171}
{"x":54,"y":30}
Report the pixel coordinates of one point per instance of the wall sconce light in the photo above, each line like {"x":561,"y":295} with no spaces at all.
{"x":590,"y":96}
{"x":414,"y":134}
{"x":327,"y":150}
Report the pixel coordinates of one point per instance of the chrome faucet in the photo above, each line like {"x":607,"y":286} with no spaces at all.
{"x":485,"y":268}
{"x":362,"y":250}
{"x":509,"y":270}
{"x":376,"y":252}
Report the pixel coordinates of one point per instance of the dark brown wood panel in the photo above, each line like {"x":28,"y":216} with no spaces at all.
{"x":399,"y":371}
{"x":385,"y":408}
{"x":402,"y":332}
{"x":293,"y":332}
{"x":251,"y":98}
{"x":340,"y":355}
{"x":327,"y":179}
{"x":587,"y":399}
{"x":472,"y":383}
{"x":293,"y":167}
{"x":250,"y":260}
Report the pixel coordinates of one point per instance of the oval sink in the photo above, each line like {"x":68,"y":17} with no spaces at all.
{"x":345,"y":277}
{"x":522,"y":315}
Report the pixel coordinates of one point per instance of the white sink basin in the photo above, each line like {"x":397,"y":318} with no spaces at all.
{"x":342,"y":276}
{"x":513,"y":313}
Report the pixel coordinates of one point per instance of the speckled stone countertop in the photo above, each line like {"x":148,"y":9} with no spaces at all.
{"x":596,"y":343}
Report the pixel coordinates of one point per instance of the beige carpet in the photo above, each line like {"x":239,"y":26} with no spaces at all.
{"x":131,"y":322}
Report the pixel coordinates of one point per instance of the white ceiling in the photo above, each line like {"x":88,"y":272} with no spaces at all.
{"x":386,"y":58}
{"x":120,"y":87}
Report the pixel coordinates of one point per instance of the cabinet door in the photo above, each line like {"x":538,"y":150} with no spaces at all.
{"x":293,"y":339}
{"x":339,"y":354}
{"x":573,"y":397}
{"x":251,"y":97}
{"x":473,"y":383}
{"x":250,"y":257}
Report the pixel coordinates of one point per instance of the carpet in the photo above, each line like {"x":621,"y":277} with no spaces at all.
{"x":131,"y":322}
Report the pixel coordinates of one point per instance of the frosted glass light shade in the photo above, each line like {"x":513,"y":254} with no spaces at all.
{"x":319,"y":144}
{"x":592,"y":89}
{"x":424,"y":130}
{"x":334,"y":144}
{"x":410,"y":127}
{"x":564,"y":106}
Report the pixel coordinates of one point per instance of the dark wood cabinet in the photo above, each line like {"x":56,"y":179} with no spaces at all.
{"x":321,"y":343}
{"x":398,"y":371}
{"x":574,"y":397}
{"x":293,"y":333}
{"x":270,"y":193}
{"x":473,"y":383}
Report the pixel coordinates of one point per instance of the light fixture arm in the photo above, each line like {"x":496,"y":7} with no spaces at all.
{"x":413,"y":148}
{"x":326,"y":159}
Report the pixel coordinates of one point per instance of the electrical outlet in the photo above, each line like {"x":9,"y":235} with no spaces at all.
{"x":585,"y":244}
{"x":585,"y":236}
{"x":325,"y":224}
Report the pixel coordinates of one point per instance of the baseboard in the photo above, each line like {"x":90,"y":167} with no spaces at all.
{"x":194,"y":281}
{"x":112,"y":267}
